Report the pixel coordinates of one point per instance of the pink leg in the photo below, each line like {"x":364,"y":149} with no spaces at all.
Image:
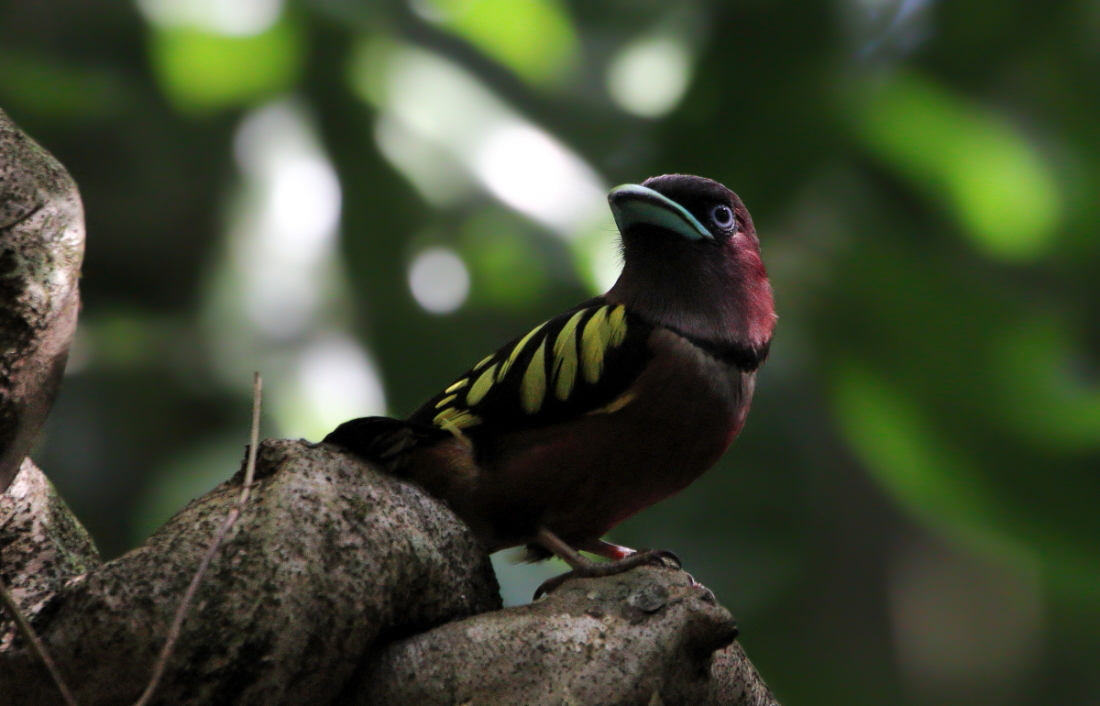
{"x":606,"y":549}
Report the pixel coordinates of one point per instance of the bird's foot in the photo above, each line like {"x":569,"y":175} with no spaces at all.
{"x":592,"y":569}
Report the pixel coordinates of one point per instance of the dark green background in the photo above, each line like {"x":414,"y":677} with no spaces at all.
{"x":911,"y":515}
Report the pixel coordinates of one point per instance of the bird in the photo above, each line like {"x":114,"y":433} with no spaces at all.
{"x":609,"y":407}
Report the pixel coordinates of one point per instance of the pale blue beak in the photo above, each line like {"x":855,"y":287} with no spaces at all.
{"x":633,"y":203}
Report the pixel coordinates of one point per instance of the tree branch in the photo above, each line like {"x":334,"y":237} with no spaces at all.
{"x":41,"y":250}
{"x":330,"y":560}
{"x":649,"y":636}
{"x":42,"y":545}
{"x":204,"y":565}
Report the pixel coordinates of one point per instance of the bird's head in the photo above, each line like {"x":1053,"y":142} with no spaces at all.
{"x":691,"y":260}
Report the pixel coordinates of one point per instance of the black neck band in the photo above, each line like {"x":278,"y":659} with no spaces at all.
{"x":739,"y":355}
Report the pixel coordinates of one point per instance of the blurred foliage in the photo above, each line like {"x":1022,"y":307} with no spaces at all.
{"x":910,"y":516}
{"x":205,"y":70}
{"x":533,"y":38}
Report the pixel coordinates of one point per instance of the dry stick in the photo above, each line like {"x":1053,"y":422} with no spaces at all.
{"x":230,"y":519}
{"x":29,"y":635}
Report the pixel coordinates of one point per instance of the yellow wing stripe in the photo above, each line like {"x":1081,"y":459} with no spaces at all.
{"x":616,"y":404}
{"x":565,"y":356}
{"x":457,"y":386}
{"x":479,"y":389}
{"x":482,"y":362}
{"x":453,"y":419}
{"x":577,"y":351}
{"x":616,"y":325}
{"x":516,"y":351}
{"x":465,"y":418}
{"x":532,"y":389}
{"x":594,"y":344}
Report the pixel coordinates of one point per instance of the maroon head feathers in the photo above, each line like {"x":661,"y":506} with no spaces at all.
{"x":692,"y":261}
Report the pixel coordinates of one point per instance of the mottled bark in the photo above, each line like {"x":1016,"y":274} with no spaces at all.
{"x":41,"y":249}
{"x":329,"y":561}
{"x":649,"y":636}
{"x":41,"y":544}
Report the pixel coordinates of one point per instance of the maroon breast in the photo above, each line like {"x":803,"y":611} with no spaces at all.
{"x":582,"y":477}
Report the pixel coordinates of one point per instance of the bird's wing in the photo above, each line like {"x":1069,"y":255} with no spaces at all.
{"x":581,"y":362}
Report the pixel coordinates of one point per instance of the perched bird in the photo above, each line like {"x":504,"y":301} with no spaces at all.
{"x":611,"y":406}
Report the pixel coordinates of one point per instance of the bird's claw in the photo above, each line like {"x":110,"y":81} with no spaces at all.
{"x":664,"y":557}
{"x":651,"y":557}
{"x":552,"y":584}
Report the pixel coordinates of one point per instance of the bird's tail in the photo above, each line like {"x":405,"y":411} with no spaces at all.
{"x":384,"y":440}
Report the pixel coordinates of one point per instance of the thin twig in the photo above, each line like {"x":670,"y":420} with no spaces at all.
{"x":230,"y":519}
{"x":29,"y":635}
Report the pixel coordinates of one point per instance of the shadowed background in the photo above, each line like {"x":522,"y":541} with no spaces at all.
{"x":361,"y":199}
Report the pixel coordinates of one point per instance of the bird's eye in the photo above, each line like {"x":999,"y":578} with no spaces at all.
{"x":722,"y":216}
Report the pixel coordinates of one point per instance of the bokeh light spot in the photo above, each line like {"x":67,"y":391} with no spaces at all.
{"x":531,"y":172}
{"x":648,"y":77}
{"x":439,"y":280}
{"x":289,"y":225}
{"x":235,"y":18}
{"x":462,"y":123}
{"x":305,"y":203}
{"x":337,"y":381}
